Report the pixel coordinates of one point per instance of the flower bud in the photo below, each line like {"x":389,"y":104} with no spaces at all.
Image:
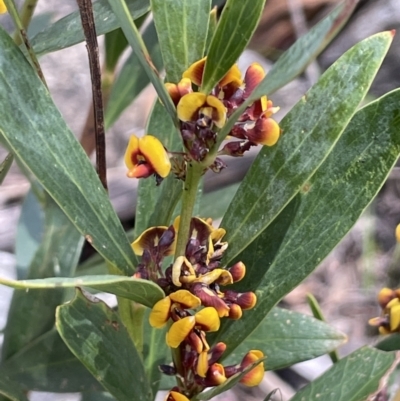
{"x":238,"y":271}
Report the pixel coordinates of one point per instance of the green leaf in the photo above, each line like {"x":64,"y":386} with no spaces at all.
{"x":182,"y":27}
{"x":132,"y":79}
{"x":46,"y":364}
{"x":311,"y":130}
{"x":97,"y":397}
{"x":11,"y":390}
{"x":68,"y":31}
{"x":138,"y":290}
{"x":29,"y":233}
{"x":155,"y":205}
{"x":51,"y":152}
{"x":235,"y":28}
{"x":294,"y":60}
{"x":95,"y":335}
{"x":232,"y":381}
{"x":114,"y":45}
{"x":5,"y":166}
{"x":287,"y":338}
{"x":155,"y":353}
{"x":214,"y":204}
{"x":32,"y":313}
{"x":389,"y":343}
{"x":327,"y":207}
{"x":317,"y":313}
{"x":134,"y":38}
{"x":354,"y":378}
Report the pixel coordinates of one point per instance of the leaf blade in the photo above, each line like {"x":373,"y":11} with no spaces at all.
{"x":90,"y":329}
{"x":311,"y":128}
{"x":320,"y":215}
{"x":58,"y":162}
{"x":182,"y":27}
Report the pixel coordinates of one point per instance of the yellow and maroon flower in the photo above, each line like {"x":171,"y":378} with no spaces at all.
{"x":389,"y":321}
{"x":202,"y":108}
{"x":254,"y":377}
{"x":196,"y":70}
{"x":177,"y":91}
{"x":152,"y":238}
{"x":161,"y":312}
{"x":146,"y":156}
{"x":3,"y":8}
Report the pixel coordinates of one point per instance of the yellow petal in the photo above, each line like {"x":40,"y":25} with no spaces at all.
{"x":208,"y":319}
{"x":159,"y":315}
{"x":233,"y":77}
{"x":189,"y":106}
{"x":398,"y":232}
{"x":220,"y":276}
{"x":132,"y":152}
{"x":195,"y":71}
{"x":202,"y":364}
{"x":219,"y":110}
{"x":3,"y":8}
{"x":179,"y":331}
{"x":185,"y":298}
{"x":254,"y":377}
{"x":175,"y":396}
{"x":155,"y":154}
{"x":395,"y":317}
{"x":148,"y":239}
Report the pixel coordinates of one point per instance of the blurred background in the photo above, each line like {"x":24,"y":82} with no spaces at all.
{"x":347,"y":281}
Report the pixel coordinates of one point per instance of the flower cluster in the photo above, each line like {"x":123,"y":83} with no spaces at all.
{"x":389,"y":321}
{"x":201,"y":116}
{"x":195,"y":303}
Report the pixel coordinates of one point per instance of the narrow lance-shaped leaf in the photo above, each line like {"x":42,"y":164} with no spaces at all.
{"x":11,"y":390}
{"x":58,"y":253}
{"x":96,"y":336}
{"x":46,"y":364}
{"x":182,"y":31}
{"x":328,"y":206}
{"x":236,"y":26}
{"x":288,"y":337}
{"x":44,"y":144}
{"x":294,"y":60}
{"x":310,"y":131}
{"x":355,"y":378}
{"x":68,"y":31}
{"x":135,"y":289}
{"x":135,"y":40}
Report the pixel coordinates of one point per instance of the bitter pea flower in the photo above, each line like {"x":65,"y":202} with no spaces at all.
{"x":202,"y":115}
{"x":389,"y":321}
{"x":146,"y":156}
{"x":195,"y":303}
{"x":3,"y":8}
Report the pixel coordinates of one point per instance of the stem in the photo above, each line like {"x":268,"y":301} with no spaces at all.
{"x":27,"y":10}
{"x":193,"y":175}
{"x":12,"y":10}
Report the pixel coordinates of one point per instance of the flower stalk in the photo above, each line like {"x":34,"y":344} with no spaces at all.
{"x":193,"y":176}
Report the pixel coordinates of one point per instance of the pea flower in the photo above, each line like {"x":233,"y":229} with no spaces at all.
{"x":3,"y":8}
{"x":389,"y":321}
{"x":146,"y":156}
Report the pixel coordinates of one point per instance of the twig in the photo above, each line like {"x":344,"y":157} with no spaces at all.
{"x":11,"y":8}
{"x":27,"y":10}
{"x":89,"y":29}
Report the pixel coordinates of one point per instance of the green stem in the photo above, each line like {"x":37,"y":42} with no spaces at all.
{"x":27,"y":10}
{"x":193,"y":175}
{"x":12,"y":10}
